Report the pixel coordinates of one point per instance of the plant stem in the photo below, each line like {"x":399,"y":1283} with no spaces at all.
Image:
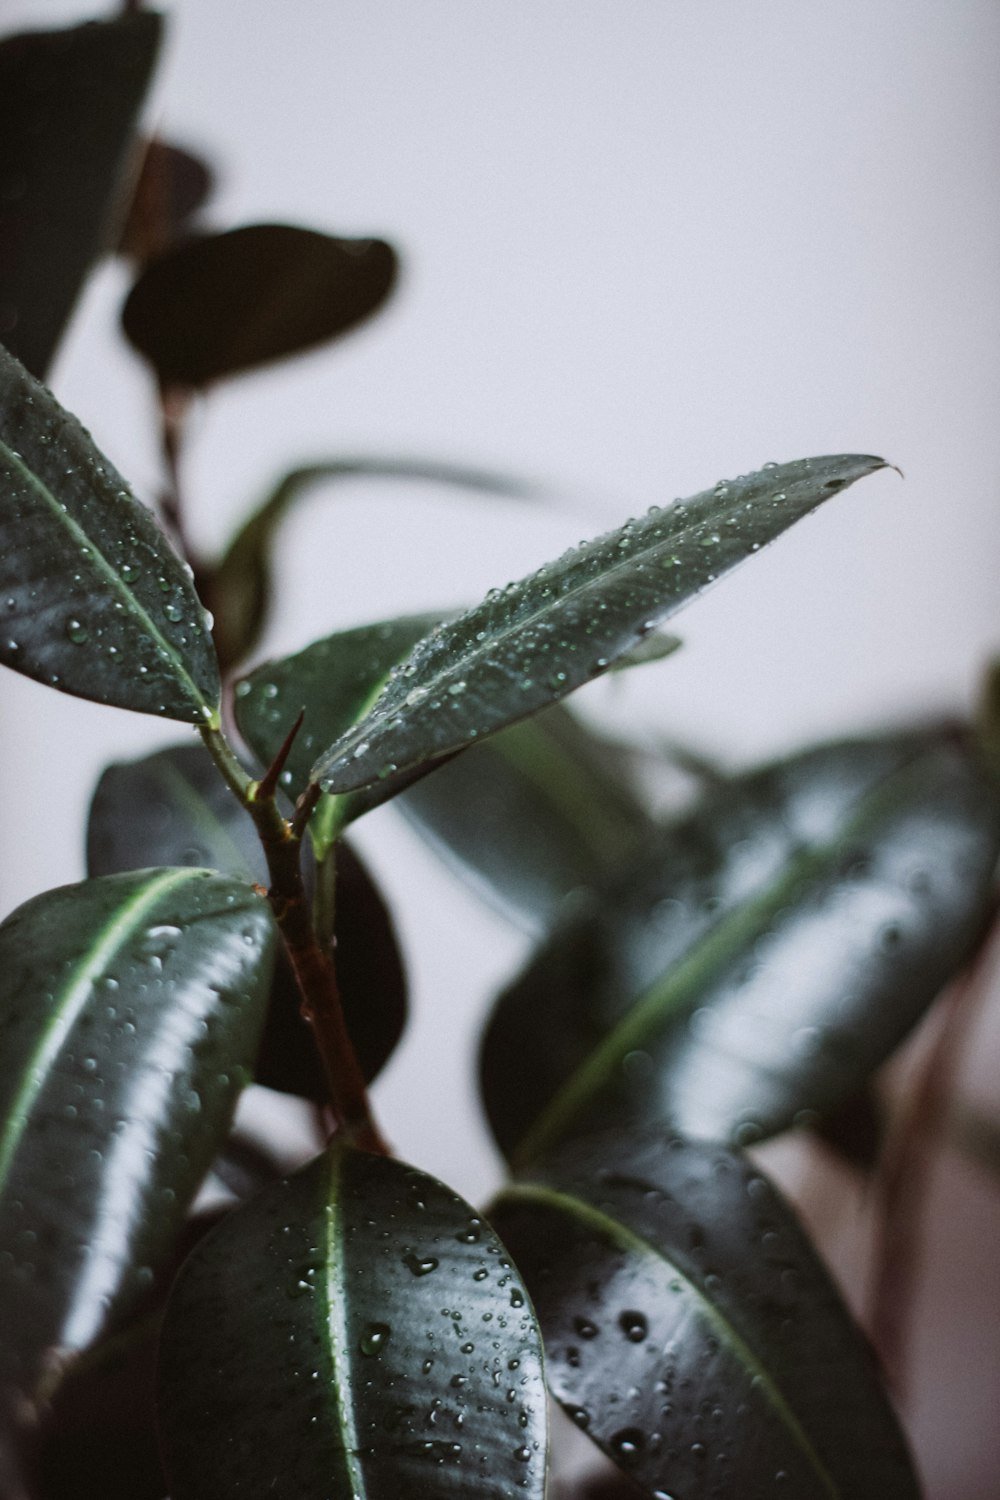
{"x":325,"y":899}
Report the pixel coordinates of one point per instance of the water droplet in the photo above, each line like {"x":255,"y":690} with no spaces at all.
{"x":457,"y":688}
{"x":627,"y":1444}
{"x":579,"y":1415}
{"x":634,"y":1326}
{"x":585,"y":1328}
{"x":360,"y":749}
{"x":516,"y":1297}
{"x":76,"y":631}
{"x":420,"y":1266}
{"x":472,"y":1234}
{"x":374,"y":1339}
{"x":522,"y":1455}
{"x":416,"y":695}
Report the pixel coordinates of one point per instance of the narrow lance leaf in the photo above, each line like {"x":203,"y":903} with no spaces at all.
{"x":386,"y":1314}
{"x":534,"y":642}
{"x":93,"y":600}
{"x":132,"y":1010}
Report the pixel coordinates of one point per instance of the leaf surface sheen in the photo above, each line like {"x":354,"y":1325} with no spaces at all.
{"x":93,"y":600}
{"x":385,"y":1312}
{"x":533,"y":642}
{"x":692,"y":1332}
{"x":756,"y":964}
{"x":131,"y":1013}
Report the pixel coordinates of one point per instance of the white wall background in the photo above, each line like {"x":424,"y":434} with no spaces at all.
{"x":646,"y":245}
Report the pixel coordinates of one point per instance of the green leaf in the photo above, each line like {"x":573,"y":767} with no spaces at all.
{"x":131,"y":1014}
{"x":540,"y":811}
{"x":238,"y":589}
{"x":173,"y":808}
{"x":691,"y":1331}
{"x":68,"y":104}
{"x":751,"y":970}
{"x":92,"y":599}
{"x":533,"y":642}
{"x":356,"y":1330}
{"x":225,"y":303}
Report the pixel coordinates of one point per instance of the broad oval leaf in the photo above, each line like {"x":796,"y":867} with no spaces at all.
{"x":535,"y":814}
{"x":692,"y":1332}
{"x":533,"y":642}
{"x":174,"y":808}
{"x":238,"y":588}
{"x":762,"y":959}
{"x":132,"y":1008}
{"x":68,"y":103}
{"x":356,"y":1330}
{"x":171,"y":186}
{"x":224,"y":303}
{"x":93,"y":600}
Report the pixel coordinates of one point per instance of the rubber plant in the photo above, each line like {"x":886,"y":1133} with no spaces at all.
{"x":353,"y":1327}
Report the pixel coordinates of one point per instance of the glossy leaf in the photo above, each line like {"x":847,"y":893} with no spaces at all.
{"x":92,"y":599}
{"x":692,"y":1332}
{"x":356,"y":1330}
{"x":68,"y":103}
{"x":132,"y":1010}
{"x":239,"y":588}
{"x":225,"y":303}
{"x":536,"y":813}
{"x":752,"y":969}
{"x":174,"y":808}
{"x":171,"y":186}
{"x":533,"y":642}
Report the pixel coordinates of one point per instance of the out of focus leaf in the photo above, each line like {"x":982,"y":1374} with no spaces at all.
{"x":354,"y":1330}
{"x":174,"y":808}
{"x":238,"y":589}
{"x":172,"y":185}
{"x":692,"y":1332}
{"x":855,"y":1129}
{"x":225,"y":303}
{"x":533,"y":642}
{"x":540,"y":811}
{"x":754,"y":967}
{"x":68,"y":104}
{"x":132,"y":1011}
{"x":94,"y":601}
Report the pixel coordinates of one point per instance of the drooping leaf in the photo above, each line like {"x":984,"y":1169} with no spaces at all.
{"x":532,"y":643}
{"x":753,"y":968}
{"x":238,"y":588}
{"x":132,"y":1010}
{"x":692,"y":1332}
{"x":174,"y":808}
{"x":93,"y":600}
{"x":68,"y":103}
{"x":171,"y":186}
{"x":225,"y":303}
{"x":535,"y":813}
{"x":356,"y":1330}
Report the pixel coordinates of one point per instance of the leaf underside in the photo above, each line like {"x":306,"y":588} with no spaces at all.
{"x":356,"y":1330}
{"x":758,"y":962}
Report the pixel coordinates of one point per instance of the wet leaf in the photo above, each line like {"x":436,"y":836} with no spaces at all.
{"x":532,"y":643}
{"x":173,"y":808}
{"x":385,"y":1313}
{"x":239,"y":588}
{"x":68,"y":103}
{"x":225,"y":303}
{"x":754,"y":968}
{"x":692,"y":1332}
{"x":172,"y":185}
{"x":131,"y":1015}
{"x":93,"y":600}
{"x":540,"y":811}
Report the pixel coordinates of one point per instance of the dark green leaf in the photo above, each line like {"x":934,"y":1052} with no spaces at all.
{"x":172,"y":185}
{"x":174,"y":808}
{"x":757,"y":965}
{"x":68,"y":103}
{"x":131,"y":1016}
{"x":238,"y":589}
{"x":855,"y":1129}
{"x":533,"y":642}
{"x":539,"y":811}
{"x":225,"y":303}
{"x":355,"y":1330}
{"x":92,"y":599}
{"x":691,"y":1330}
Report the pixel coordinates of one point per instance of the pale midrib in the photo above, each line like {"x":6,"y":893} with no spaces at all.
{"x":102,"y":566}
{"x":38,"y":1068}
{"x":553,"y":608}
{"x":720,"y":944}
{"x":335,"y":1327}
{"x":632,"y":1243}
